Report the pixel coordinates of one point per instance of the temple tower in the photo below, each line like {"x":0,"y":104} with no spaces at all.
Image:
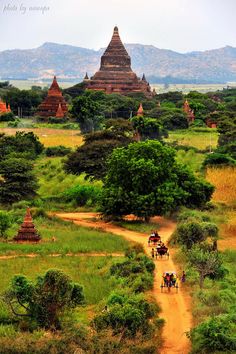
{"x":115,"y":74}
{"x":50,"y":105}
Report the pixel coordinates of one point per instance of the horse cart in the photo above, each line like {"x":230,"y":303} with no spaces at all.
{"x":162,"y":251}
{"x":153,"y":239}
{"x":169,"y":281}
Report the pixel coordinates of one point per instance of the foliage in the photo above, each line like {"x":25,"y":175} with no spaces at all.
{"x":207,"y":263}
{"x":91,"y":157}
{"x":5,"y":222}
{"x":82,"y":195}
{"x":144,"y":179}
{"x":7,"y":117}
{"x":126,"y":315}
{"x":57,"y":151}
{"x":17,"y":180}
{"x":227,"y":130}
{"x":87,"y":113}
{"x":22,"y":143}
{"x":45,"y":301}
{"x":149,"y":128}
{"x":216,"y":334}
{"x":216,"y":159}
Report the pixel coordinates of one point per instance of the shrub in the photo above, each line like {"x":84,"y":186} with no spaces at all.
{"x":7,"y":117}
{"x":216,"y":334}
{"x":216,"y":159}
{"x":57,"y":151}
{"x":82,"y":195}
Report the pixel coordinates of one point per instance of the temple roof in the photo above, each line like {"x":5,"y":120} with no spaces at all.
{"x":54,"y":89}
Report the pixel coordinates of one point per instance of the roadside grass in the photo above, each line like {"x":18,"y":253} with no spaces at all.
{"x":138,"y":226}
{"x":70,"y":238}
{"x":53,"y":180}
{"x":198,"y":139}
{"x":224,"y":180}
{"x":50,"y":136}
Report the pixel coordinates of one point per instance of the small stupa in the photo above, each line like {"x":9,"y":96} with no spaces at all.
{"x":27,"y":231}
{"x":188,"y":111}
{"x":140,"y":111}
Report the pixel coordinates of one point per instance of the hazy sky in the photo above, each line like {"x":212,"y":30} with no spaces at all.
{"x":180,"y":25}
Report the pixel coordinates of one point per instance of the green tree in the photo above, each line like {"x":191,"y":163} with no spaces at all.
{"x":44,"y":301}
{"x":5,"y":223}
{"x":190,"y":233}
{"x":149,"y":128}
{"x":206,"y":263}
{"x":17,"y":180}
{"x":145,"y":180}
{"x":87,"y":112}
{"x":91,"y":157}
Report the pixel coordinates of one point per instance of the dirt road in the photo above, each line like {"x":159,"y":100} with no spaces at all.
{"x":175,"y":306}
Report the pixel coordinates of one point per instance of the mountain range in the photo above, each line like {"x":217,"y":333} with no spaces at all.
{"x":160,"y":65}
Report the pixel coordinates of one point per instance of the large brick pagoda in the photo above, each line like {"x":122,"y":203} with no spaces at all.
{"x":54,"y":105}
{"x":115,"y":74}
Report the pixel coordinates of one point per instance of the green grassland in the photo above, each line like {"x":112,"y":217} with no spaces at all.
{"x":52,"y":178}
{"x":91,"y":272}
{"x":199,"y":138}
{"x":70,"y":238}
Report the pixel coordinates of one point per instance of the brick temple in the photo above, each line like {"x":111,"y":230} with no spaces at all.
{"x":27,"y":231}
{"x":54,"y":105}
{"x":115,"y":74}
{"x":4,"y":108}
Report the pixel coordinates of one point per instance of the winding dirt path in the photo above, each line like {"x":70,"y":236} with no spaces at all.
{"x":176,"y":308}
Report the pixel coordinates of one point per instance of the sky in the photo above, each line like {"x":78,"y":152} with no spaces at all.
{"x":179,"y":25}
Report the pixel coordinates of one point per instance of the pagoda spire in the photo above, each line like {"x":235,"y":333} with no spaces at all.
{"x":86,"y":76}
{"x":54,"y":88}
{"x":144,"y":78}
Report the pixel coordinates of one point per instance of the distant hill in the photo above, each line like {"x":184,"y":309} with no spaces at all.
{"x":159,"y":65}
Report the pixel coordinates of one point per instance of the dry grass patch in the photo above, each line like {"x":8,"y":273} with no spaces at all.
{"x":224,"y":180}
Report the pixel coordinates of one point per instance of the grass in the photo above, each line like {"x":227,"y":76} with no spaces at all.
{"x":139,"y":226}
{"x":224,"y":180}
{"x":198,"y":139}
{"x":53,"y":180}
{"x":190,"y":158}
{"x":51,"y":136}
{"x":91,"y":272}
{"x":70,"y":238}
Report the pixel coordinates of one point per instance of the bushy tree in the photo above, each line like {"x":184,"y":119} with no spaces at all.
{"x":5,"y":223}
{"x":44,"y":301}
{"x":87,"y":112}
{"x":91,"y":157}
{"x":149,"y":128}
{"x":217,"y":334}
{"x":17,"y":180}
{"x":145,"y":180}
{"x":207,"y":263}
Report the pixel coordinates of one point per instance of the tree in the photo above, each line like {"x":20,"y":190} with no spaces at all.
{"x":45,"y":300}
{"x":205,"y":262}
{"x":17,"y":180}
{"x":87,"y":112}
{"x":91,"y":157}
{"x":190,"y":233}
{"x":149,"y":128}
{"x":5,"y":223}
{"x":144,"y":179}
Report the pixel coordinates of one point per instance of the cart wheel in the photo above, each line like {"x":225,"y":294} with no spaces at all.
{"x":177,"y":288}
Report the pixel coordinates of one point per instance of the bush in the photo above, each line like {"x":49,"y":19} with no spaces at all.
{"x":7,"y":117}
{"x":57,"y":151}
{"x":217,"y":159}
{"x":82,"y":195}
{"x":216,"y":334}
